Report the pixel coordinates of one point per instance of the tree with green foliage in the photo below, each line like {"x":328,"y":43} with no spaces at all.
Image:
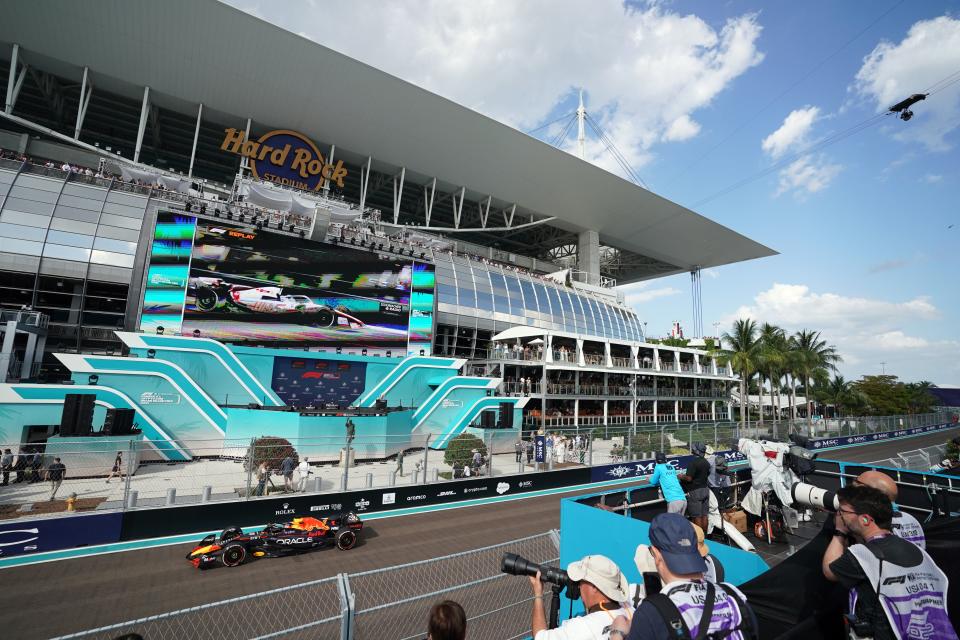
{"x":841,"y":394}
{"x":269,"y":449}
{"x":815,"y":359}
{"x":460,"y":449}
{"x":743,"y":352}
{"x":885,"y":395}
{"x":771,"y":357}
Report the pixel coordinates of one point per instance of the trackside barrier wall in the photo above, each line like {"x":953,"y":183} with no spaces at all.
{"x":916,"y":489}
{"x":383,"y":604}
{"x":137,"y":524}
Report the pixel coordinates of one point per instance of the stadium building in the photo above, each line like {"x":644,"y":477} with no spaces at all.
{"x":231,"y":180}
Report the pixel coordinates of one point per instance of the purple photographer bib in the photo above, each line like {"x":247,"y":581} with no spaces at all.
{"x":914,"y":599}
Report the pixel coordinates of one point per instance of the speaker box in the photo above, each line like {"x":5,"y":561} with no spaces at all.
{"x":77,"y":418}
{"x":119,"y":422}
{"x":506,"y":415}
{"x":488,"y":419}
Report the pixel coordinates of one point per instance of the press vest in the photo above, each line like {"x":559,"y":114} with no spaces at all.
{"x":914,"y":599}
{"x":908,"y":528}
{"x":726,"y":618}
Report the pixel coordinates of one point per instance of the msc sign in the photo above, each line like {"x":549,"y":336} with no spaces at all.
{"x":286,"y":158}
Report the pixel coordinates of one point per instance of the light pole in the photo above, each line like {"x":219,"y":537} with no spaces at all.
{"x":883,"y":368}
{"x":351,"y":434}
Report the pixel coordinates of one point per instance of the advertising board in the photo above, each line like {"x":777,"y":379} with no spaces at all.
{"x":50,"y":534}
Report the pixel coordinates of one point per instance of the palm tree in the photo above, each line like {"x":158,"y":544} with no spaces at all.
{"x":743,"y":354}
{"x":815,"y":356}
{"x":771,"y":358}
{"x":839,"y":393}
{"x":791,"y":368}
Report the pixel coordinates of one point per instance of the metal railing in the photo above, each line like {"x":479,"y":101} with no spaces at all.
{"x":383,"y":604}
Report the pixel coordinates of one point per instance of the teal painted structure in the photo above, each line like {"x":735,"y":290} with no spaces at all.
{"x":579,"y":527}
{"x":192,"y":397}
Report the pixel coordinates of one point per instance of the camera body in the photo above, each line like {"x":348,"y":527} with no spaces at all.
{"x":515,"y":565}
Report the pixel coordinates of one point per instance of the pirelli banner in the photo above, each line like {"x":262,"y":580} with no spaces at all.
{"x":154,"y":523}
{"x":287,"y":158}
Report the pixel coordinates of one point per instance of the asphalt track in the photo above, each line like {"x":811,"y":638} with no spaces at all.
{"x":56,"y":598}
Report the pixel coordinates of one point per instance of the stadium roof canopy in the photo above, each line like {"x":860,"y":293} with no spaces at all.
{"x":238,"y":66}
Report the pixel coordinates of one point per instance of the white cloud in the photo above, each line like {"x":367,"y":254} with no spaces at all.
{"x":683,"y":128}
{"x":807,"y":175}
{"x":887,"y":265}
{"x":645,"y":70}
{"x":932,"y":178}
{"x":866,"y":331}
{"x":792,"y":134}
{"x":929,"y":53}
{"x":640,"y":292}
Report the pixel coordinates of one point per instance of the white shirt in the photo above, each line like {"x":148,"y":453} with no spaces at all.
{"x":588,"y":627}
{"x":303,"y":468}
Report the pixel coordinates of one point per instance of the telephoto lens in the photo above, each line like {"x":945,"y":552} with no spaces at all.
{"x":516,"y":565}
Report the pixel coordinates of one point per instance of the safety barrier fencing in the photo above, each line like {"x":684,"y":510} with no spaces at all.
{"x":381,"y":604}
{"x":110,"y":476}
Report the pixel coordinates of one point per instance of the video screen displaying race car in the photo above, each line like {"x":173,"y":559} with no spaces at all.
{"x":252,"y":287}
{"x":232,"y":547}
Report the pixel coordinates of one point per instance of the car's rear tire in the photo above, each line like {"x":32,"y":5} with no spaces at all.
{"x":346,"y":539}
{"x":207,"y":299}
{"x":324,"y":318}
{"x":233,"y":555}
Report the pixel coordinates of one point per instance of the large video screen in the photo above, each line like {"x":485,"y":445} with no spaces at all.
{"x":166,"y":284}
{"x":253,"y":287}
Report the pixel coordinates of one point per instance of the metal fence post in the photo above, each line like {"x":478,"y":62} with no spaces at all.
{"x":590,"y":450}
{"x":251,"y":456}
{"x":131,"y":467}
{"x":629,"y":455}
{"x":347,"y":606}
{"x":426,"y":452}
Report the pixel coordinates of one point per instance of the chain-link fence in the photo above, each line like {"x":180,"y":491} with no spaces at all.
{"x":382,"y":604}
{"x":923,"y":459}
{"x":109,"y":474}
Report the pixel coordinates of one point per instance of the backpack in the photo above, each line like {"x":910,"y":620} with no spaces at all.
{"x":677,"y":628}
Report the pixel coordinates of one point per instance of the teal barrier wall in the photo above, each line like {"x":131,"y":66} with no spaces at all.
{"x":412,"y":381}
{"x":442,"y":392}
{"x":586,"y":530}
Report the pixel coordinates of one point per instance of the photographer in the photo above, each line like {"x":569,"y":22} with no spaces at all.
{"x":896,"y":590}
{"x":603,"y":589}
{"x":698,"y":489}
{"x":685,"y":599}
{"x":904,"y":525}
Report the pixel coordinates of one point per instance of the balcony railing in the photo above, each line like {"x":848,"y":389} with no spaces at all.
{"x":514,"y":354}
{"x":594,"y":359}
{"x":565,"y":356}
{"x":623,"y":363}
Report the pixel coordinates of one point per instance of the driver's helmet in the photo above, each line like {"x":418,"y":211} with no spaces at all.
{"x":230,"y":533}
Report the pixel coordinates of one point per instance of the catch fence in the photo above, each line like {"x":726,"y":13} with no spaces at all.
{"x":232,"y":470}
{"x":382,"y":604}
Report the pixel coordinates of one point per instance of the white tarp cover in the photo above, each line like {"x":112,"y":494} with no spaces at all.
{"x":173,"y":183}
{"x":279,"y":200}
{"x":767,"y":474}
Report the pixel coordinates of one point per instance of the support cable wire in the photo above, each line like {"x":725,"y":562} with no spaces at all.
{"x":936,"y":87}
{"x":552,"y":122}
{"x":817,"y":146}
{"x":777,"y":97}
{"x":615,"y":152}
{"x":563,"y":133}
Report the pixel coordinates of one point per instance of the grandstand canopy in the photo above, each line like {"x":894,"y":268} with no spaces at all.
{"x":202,"y":51}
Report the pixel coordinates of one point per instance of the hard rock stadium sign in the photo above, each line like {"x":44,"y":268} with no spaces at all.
{"x":286,"y":158}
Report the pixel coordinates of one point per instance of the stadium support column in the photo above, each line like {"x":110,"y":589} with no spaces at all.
{"x":364,"y":181}
{"x":14,"y":81}
{"x":144,"y":110}
{"x":196,"y":136}
{"x":588,"y":255}
{"x":86,"y":90}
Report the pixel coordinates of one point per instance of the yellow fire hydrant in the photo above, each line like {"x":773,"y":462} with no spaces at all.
{"x":71,"y":502}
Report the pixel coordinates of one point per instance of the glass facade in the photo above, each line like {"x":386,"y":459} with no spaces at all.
{"x":486,"y":291}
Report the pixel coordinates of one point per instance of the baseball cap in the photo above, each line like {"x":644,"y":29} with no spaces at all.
{"x":661,"y":457}
{"x":698,"y":448}
{"x":675,"y":539}
{"x":603,"y":573}
{"x":701,"y":546}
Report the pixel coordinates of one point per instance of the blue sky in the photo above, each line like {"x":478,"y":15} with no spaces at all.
{"x":684,"y":88}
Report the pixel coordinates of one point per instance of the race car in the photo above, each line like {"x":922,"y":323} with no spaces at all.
{"x":233,"y":547}
{"x":212,"y":294}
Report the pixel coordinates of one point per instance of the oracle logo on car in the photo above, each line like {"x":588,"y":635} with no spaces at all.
{"x":293,"y":540}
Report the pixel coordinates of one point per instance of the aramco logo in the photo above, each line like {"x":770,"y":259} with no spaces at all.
{"x":286,"y":158}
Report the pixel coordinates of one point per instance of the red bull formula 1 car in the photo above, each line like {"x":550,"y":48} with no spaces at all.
{"x":233,"y":547}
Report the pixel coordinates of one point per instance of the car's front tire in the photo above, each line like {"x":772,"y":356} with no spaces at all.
{"x":207,"y":299}
{"x":323,"y":318}
{"x":233,"y":555}
{"x":346,"y":539}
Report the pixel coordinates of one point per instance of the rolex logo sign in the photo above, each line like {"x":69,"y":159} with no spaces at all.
{"x":286,"y":158}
